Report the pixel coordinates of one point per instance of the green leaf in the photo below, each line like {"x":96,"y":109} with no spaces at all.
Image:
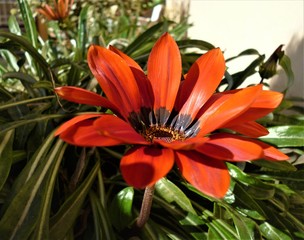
{"x":26,"y":45}
{"x":143,"y":38}
{"x":74,"y":75}
{"x":275,"y":165}
{"x":189,"y":222}
{"x":6,"y":155}
{"x":10,"y":59}
{"x":13,"y":25}
{"x":213,"y":234}
{"x":245,"y":200}
{"x":189,"y":43}
{"x":11,"y":125}
{"x":293,"y":179}
{"x":62,"y":222}
{"x":31,"y":32}
{"x":288,"y":223}
{"x":245,"y":227}
{"x":103,"y":228}
{"x":22,"y":213}
{"x":272,"y":233}
{"x":220,"y":230}
{"x":163,"y":230}
{"x":82,"y":33}
{"x":250,"y":213}
{"x":24,"y":102}
{"x":171,"y":193}
{"x":241,"y":76}
{"x":254,"y":187}
{"x":32,"y":166}
{"x":193,"y":221}
{"x":29,"y":22}
{"x":285,"y":63}
{"x":154,"y":231}
{"x":246,"y":52}
{"x":218,"y":227}
{"x":121,"y":208}
{"x":26,"y":80}
{"x":300,"y":235}
{"x":42,"y":227}
{"x":285,"y":136}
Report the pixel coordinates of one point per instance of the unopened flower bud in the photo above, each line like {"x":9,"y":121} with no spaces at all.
{"x":269,"y":68}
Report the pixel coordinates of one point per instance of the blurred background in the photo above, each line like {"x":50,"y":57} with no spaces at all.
{"x":232,"y":25}
{"x":238,"y":25}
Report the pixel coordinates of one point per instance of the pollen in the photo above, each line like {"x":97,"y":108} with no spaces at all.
{"x":164,"y":133}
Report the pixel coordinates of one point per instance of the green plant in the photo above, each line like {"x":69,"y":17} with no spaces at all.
{"x":52,"y":190}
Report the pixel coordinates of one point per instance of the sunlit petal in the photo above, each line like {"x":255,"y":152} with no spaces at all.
{"x":142,"y":81}
{"x":115,"y":78}
{"x":270,"y":152}
{"x":144,"y":166}
{"x":202,"y":79}
{"x":48,"y":12}
{"x":230,"y":147}
{"x":164,"y":72}
{"x":264,"y":104}
{"x":113,"y":127}
{"x":74,"y":121}
{"x":62,"y":8}
{"x":82,"y":96}
{"x":268,"y":99}
{"x":188,"y":144}
{"x":219,"y":112}
{"x":208,"y":175}
{"x":250,"y":129}
{"x":84,"y":134}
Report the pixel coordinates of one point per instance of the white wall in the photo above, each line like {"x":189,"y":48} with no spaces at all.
{"x":236,"y":25}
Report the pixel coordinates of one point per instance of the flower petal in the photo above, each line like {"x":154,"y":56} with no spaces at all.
{"x":218,"y":113}
{"x":113,"y":127}
{"x":62,"y":7}
{"x":270,"y":152}
{"x":201,"y":81}
{"x":264,"y":104}
{"x":230,"y":147}
{"x":84,"y":134}
{"x":74,"y":121}
{"x":250,"y":129}
{"x":208,"y":175}
{"x":188,"y":144}
{"x":164,"y":72}
{"x":82,"y":96}
{"x":144,"y":166}
{"x":48,"y":12}
{"x":115,"y":78}
{"x":142,"y":81}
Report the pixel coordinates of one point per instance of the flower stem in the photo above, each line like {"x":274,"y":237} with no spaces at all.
{"x":145,"y":207}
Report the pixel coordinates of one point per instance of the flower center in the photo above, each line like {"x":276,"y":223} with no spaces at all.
{"x":164,"y":133}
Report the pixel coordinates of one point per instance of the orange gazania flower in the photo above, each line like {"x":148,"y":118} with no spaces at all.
{"x":166,"y":120}
{"x":60,"y":10}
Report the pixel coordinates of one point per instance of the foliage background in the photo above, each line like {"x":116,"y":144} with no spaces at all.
{"x":51,"y":190}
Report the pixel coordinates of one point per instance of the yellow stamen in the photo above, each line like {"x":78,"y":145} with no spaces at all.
{"x":164,"y":133}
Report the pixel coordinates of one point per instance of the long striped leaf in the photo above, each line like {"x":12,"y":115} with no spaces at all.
{"x":31,"y":32}
{"x":6,"y":155}
{"x":143,"y":38}
{"x":64,"y":219}
{"x":27,"y":46}
{"x":29,"y":22}
{"x":42,"y":227}
{"x":23,"y":211}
